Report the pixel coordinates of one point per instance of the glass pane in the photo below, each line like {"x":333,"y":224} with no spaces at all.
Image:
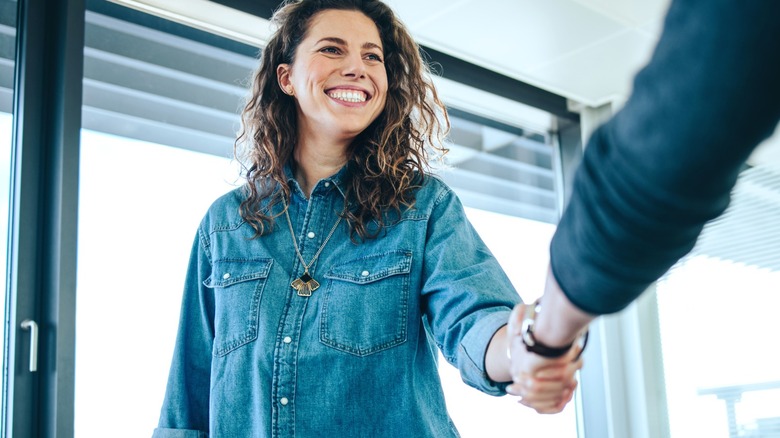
{"x":139,"y":206}
{"x":7,"y":63}
{"x":718,"y":315}
{"x":159,"y":119}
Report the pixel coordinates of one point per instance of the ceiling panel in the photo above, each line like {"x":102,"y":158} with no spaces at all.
{"x":415,"y":14}
{"x":633,"y":13}
{"x":526,"y":34}
{"x":584,"y":50}
{"x":581,"y":74}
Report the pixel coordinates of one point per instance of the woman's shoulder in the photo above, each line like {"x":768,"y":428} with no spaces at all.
{"x":432,"y":189}
{"x":224,"y":213}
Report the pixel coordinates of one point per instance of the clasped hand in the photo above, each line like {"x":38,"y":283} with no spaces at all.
{"x":543,"y":384}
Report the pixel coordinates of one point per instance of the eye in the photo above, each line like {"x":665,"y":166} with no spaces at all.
{"x":330,"y":50}
{"x":374,"y":57}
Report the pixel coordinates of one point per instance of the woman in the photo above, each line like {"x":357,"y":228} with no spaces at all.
{"x":318,"y":294}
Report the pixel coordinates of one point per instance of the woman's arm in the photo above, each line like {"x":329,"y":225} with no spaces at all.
{"x":186,"y":405}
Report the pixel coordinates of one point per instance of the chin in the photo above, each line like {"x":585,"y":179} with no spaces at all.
{"x":353,"y":130}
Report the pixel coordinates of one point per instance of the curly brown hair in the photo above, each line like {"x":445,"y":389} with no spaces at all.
{"x":387,"y":161}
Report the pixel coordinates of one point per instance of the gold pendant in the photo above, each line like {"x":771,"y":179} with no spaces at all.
{"x":305,"y":285}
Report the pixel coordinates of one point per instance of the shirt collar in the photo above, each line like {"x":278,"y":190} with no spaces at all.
{"x":340,"y":180}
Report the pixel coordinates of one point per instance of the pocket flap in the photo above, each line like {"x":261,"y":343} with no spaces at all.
{"x":228,"y":272}
{"x":373,"y":267}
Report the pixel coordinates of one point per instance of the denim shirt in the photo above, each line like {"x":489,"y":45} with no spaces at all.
{"x":357,"y":358}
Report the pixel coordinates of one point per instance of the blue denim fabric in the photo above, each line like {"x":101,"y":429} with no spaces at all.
{"x":355,"y":359}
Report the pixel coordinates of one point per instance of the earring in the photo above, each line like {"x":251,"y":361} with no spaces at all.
{"x":289,"y":91}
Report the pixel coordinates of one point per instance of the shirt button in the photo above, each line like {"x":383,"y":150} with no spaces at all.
{"x":287,"y":339}
{"x":284,"y":401}
{"x":364,"y":273}
{"x":311,"y":235}
{"x":226,"y":275}
{"x":327,"y":183}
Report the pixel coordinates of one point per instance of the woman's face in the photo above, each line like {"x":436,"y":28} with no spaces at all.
{"x":338,"y":78}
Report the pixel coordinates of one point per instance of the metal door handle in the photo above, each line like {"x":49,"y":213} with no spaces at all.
{"x":29,"y":324}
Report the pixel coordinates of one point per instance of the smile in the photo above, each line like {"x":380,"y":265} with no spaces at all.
{"x":354,"y":96}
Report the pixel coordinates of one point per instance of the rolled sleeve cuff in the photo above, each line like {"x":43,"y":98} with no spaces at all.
{"x":471,"y":361}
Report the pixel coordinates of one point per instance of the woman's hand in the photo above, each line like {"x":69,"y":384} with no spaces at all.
{"x":543,"y":384}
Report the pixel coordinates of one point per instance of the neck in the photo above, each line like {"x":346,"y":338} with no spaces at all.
{"x":314,"y":163}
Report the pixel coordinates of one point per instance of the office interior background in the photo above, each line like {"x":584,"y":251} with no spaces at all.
{"x":117,"y":121}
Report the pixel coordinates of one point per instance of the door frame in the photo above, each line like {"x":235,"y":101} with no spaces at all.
{"x":41,"y":280}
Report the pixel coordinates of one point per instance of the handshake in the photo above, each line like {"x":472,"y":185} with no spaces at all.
{"x":543,"y":377}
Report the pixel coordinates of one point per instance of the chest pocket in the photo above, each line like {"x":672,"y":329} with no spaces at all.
{"x":365,"y":304}
{"x":238,"y":286}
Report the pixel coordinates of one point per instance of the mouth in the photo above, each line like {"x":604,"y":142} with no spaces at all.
{"x":351,"y":96}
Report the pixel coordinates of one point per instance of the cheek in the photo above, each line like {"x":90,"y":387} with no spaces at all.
{"x":383,"y":102}
{"x":383,"y":81}
{"x":306,"y":73}
{"x":382,"y":86}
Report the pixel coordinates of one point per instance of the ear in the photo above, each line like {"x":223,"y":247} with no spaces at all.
{"x":283,"y":78}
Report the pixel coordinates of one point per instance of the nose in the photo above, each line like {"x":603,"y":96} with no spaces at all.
{"x":354,"y":66}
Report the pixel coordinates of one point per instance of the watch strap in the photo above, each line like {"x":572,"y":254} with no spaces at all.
{"x":534,"y":346}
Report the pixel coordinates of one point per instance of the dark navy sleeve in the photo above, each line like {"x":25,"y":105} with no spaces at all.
{"x":665,"y":164}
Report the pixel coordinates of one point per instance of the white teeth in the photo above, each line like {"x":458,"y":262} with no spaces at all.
{"x":348,"y":96}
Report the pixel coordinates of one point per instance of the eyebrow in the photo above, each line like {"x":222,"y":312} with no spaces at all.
{"x":366,"y":45}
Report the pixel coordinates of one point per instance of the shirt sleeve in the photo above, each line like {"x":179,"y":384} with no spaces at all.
{"x":185,"y":410}
{"x":467,"y":296}
{"x":665,"y":164}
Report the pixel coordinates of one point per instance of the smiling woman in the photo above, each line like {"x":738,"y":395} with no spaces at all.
{"x":339,"y":85}
{"x":333,"y":277}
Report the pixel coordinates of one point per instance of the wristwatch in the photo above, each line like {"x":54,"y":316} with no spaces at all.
{"x":536,"y":347}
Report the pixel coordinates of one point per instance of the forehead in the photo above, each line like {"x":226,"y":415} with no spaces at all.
{"x":351,"y":26}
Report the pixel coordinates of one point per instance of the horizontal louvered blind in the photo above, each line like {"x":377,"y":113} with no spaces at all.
{"x":749,"y":230}
{"x":155,"y":86}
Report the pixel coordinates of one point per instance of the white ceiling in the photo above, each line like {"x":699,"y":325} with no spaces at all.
{"x":584,"y":50}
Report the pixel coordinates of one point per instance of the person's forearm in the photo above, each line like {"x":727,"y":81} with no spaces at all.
{"x":559,"y":321}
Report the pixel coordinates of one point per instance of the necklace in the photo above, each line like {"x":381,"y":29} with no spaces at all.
{"x":306,"y":284}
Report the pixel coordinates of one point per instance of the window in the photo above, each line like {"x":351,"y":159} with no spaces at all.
{"x":160,"y":114}
{"x":139,"y":207}
{"x":522,"y":248}
{"x":160,"y":104}
{"x":717,"y":307}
